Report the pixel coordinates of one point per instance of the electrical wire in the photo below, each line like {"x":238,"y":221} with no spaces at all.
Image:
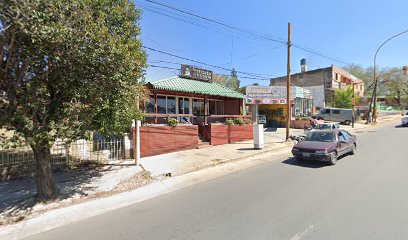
{"x":206,"y":64}
{"x":260,"y":35}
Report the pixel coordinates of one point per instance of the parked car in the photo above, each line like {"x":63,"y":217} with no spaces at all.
{"x":325,"y":146}
{"x":323,"y":126}
{"x":335,"y":114}
{"x":404,"y":120}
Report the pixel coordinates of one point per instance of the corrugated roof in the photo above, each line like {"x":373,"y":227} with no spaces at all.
{"x":194,"y":86}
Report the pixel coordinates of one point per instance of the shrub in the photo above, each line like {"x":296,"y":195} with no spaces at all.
{"x":306,"y":118}
{"x":239,"y":121}
{"x":297,"y":118}
{"x":172,"y":122}
{"x":229,"y":121}
{"x":247,"y":121}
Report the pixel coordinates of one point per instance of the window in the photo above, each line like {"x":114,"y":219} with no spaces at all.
{"x":161,"y":104}
{"x":220,"y":107}
{"x":184,"y":105}
{"x":325,"y":111}
{"x":346,"y":135}
{"x":341,"y":137}
{"x":166,"y":105}
{"x":171,"y":105}
{"x":198,"y":107}
{"x":149,"y":105}
{"x":334,"y":111}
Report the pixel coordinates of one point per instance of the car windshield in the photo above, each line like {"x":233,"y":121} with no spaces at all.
{"x":321,"y":137}
{"x":323,"y":126}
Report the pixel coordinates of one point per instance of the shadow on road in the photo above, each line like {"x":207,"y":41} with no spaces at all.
{"x":400,"y":126}
{"x":304,"y":163}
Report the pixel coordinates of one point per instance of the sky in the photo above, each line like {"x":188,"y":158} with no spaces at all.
{"x":251,"y":36}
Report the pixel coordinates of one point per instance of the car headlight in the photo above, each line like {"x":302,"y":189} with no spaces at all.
{"x":321,"y":152}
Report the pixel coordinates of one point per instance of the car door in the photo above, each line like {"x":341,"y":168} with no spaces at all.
{"x":335,"y":115}
{"x":348,"y":143}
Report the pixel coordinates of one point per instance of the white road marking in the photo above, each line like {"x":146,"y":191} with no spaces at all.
{"x":302,"y":234}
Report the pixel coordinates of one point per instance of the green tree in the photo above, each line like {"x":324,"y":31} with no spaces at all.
{"x":220,"y":79}
{"x":233,"y":82}
{"x":67,"y":67}
{"x":343,"y":98}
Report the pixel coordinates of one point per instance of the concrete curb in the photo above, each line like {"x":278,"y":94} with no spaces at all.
{"x":198,"y":168}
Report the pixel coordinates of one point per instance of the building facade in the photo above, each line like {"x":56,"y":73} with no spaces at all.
{"x":322,"y":83}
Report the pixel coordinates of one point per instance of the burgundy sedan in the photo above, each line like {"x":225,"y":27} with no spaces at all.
{"x":325,"y":146}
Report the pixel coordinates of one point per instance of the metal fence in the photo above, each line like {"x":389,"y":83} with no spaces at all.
{"x":67,"y":153}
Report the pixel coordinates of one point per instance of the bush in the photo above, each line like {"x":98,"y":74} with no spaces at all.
{"x":297,"y":118}
{"x":306,"y":118}
{"x":229,"y":121}
{"x":247,"y":121}
{"x":239,"y":121}
{"x":172,"y":122}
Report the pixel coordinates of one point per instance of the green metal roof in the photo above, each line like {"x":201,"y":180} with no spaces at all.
{"x":194,"y":86}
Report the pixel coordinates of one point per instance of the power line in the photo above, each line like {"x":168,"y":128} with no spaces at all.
{"x":172,"y":68}
{"x":206,"y":64}
{"x":218,"y":22}
{"x":260,"y":35}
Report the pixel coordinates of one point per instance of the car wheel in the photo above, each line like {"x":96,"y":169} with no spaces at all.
{"x":353,"y":149}
{"x":333,"y":158}
{"x":347,"y":122}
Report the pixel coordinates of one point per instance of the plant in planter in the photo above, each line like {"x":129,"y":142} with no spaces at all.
{"x":239,"y":121}
{"x":229,"y":121}
{"x":247,"y":121}
{"x":172,"y":122}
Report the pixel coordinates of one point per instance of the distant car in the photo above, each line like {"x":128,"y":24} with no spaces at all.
{"x":325,"y":146}
{"x":323,"y":126}
{"x":327,"y":126}
{"x":261,"y":119}
{"x":335,"y":114}
{"x":404,"y":120}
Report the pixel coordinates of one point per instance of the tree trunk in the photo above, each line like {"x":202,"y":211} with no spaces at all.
{"x":46,"y":188}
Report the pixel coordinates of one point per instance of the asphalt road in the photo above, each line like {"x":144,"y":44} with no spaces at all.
{"x":364,"y":196}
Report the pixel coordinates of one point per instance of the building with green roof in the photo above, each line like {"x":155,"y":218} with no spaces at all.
{"x":189,"y":100}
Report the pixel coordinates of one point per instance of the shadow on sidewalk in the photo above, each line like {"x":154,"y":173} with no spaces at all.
{"x":17,"y":197}
{"x":303,"y":163}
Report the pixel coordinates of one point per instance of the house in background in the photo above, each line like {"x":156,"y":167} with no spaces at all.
{"x":322,"y":83}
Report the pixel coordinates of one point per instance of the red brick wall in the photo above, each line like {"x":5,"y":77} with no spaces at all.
{"x":219,"y":134}
{"x":240,"y":133}
{"x":155,"y":140}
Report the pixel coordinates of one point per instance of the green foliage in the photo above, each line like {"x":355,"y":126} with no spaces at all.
{"x":233,"y":82}
{"x":172,"y":122}
{"x":229,"y":121}
{"x":343,"y":98}
{"x":239,"y":121}
{"x":69,"y":67}
{"x":247,"y":121}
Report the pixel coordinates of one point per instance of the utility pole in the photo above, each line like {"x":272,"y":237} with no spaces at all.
{"x":288,"y":109}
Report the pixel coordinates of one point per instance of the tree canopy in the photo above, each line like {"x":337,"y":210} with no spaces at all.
{"x":343,"y":98}
{"x":67,"y":67}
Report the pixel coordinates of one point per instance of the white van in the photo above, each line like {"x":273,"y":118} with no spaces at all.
{"x":336,"y":115}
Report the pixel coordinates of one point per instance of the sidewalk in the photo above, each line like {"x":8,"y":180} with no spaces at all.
{"x":178,"y":163}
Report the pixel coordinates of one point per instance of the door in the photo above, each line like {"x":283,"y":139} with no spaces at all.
{"x":346,"y":142}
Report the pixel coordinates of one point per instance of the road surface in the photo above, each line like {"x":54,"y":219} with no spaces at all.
{"x":364,"y":196}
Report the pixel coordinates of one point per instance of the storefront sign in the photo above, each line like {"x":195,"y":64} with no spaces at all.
{"x":191,"y":72}
{"x":273,"y":94}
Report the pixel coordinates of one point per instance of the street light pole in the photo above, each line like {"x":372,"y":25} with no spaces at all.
{"x":373,"y":101}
